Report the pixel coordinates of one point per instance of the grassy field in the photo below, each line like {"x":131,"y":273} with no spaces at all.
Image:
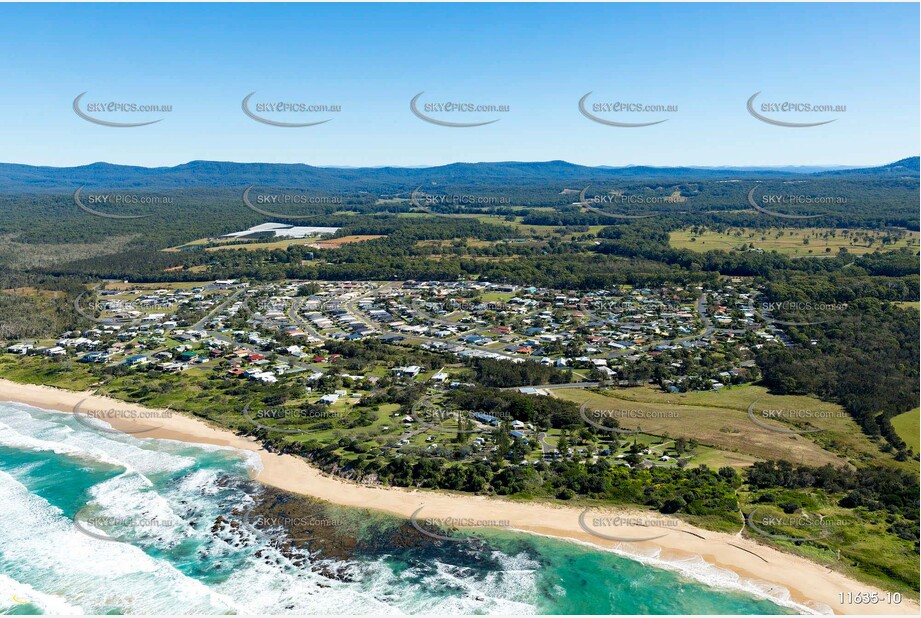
{"x":272,"y":244}
{"x":908,"y":425}
{"x":720,"y":420}
{"x":200,"y":242}
{"x":335,"y":243}
{"x":533,"y":231}
{"x":467,"y":242}
{"x":856,"y":540}
{"x":234,"y":243}
{"x":497,"y":297}
{"x":790,"y":241}
{"x":859,"y":542}
{"x":161,"y":285}
{"x":860,"y":545}
{"x":37,"y":370}
{"x":30,"y":291}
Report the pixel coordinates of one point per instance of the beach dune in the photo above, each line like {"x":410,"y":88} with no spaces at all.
{"x":777,"y":575}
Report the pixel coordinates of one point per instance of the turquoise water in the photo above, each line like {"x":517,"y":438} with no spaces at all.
{"x":163,"y":528}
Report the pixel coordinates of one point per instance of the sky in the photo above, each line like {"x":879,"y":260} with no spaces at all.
{"x":539,"y":60}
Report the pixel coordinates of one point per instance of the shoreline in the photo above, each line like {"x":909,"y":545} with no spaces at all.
{"x":758,"y":569}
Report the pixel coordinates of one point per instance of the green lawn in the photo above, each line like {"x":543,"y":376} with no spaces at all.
{"x":908,"y":427}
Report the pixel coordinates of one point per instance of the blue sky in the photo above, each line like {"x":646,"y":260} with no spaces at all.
{"x":538,"y":59}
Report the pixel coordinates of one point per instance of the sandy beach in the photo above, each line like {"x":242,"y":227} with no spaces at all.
{"x":757,"y":566}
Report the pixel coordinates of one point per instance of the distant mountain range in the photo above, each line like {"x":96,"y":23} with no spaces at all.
{"x":16,"y":178}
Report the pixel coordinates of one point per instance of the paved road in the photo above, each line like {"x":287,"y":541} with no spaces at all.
{"x":200,"y":325}
{"x":545,"y":447}
{"x":551,"y":387}
{"x":295,"y":317}
{"x":296,"y":364}
{"x":701,"y":306}
{"x":351,"y":307}
{"x":708,"y":330}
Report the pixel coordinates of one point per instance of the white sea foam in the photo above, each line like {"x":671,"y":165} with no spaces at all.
{"x":36,"y":429}
{"x":42,"y":547}
{"x":11,"y":438}
{"x":107,"y":575}
{"x":14,"y":593}
{"x":698,"y":569}
{"x":161,"y":481}
{"x":274,"y":586}
{"x":439,"y":588}
{"x":132,"y":451}
{"x":140,"y":513}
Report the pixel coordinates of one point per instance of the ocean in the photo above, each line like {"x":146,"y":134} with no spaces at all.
{"x":99,"y":522}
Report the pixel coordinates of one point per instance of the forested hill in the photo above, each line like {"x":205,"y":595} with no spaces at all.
{"x":16,"y":178}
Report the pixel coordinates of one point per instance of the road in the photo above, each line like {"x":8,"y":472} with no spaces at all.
{"x":296,"y":365}
{"x":701,"y":306}
{"x":550,"y":387}
{"x":351,"y":306}
{"x":295,"y":317}
{"x":546,"y":448}
{"x":709,"y":329}
{"x":354,"y":311}
{"x":200,"y":325}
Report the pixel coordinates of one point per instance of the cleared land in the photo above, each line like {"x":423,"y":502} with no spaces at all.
{"x":721,"y":420}
{"x":288,"y":242}
{"x":534,"y":231}
{"x":790,"y":241}
{"x":335,"y":243}
{"x":282,"y":243}
{"x":908,"y":426}
{"x":160,"y":285}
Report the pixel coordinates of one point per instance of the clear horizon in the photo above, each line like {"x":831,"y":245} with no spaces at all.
{"x":697,"y":64}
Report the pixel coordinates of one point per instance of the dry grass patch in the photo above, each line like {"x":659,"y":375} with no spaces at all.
{"x":721,"y":419}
